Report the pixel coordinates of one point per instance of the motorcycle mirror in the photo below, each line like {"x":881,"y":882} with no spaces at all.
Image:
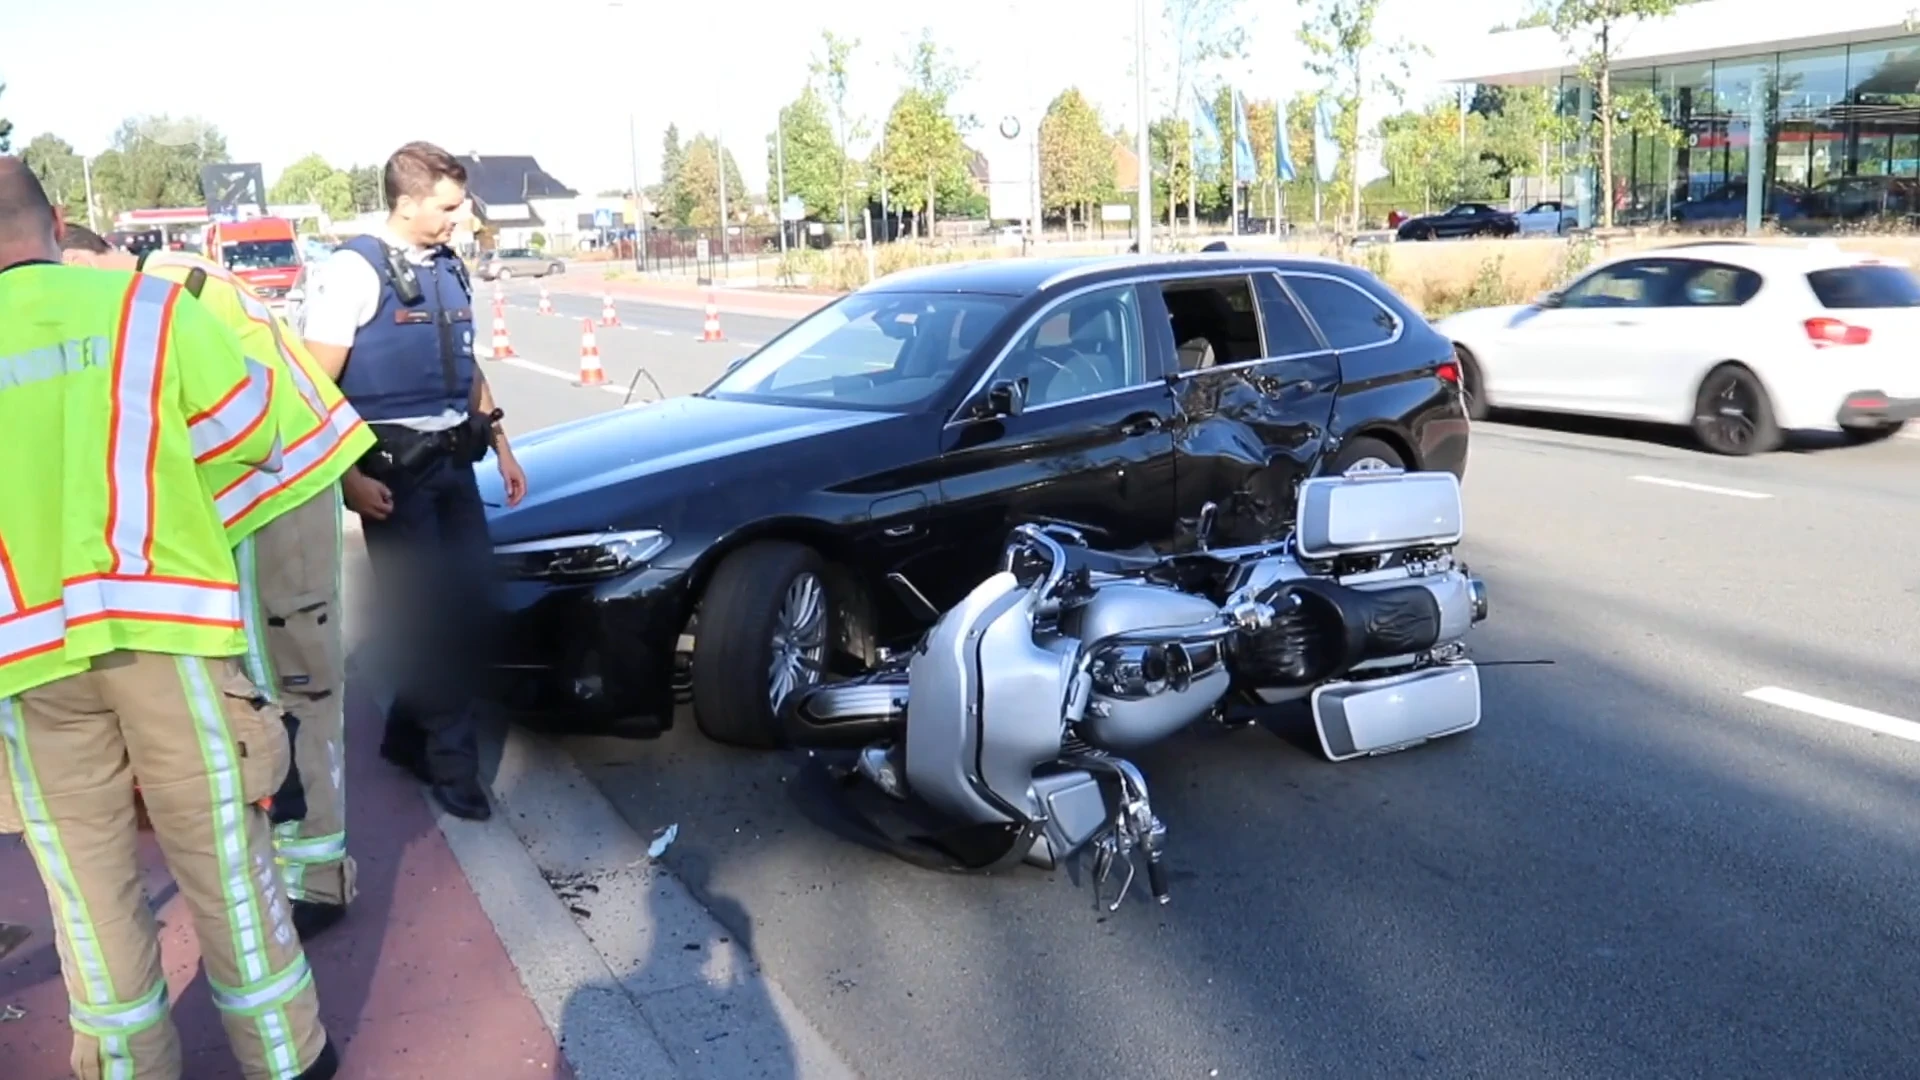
{"x":1204,"y":530}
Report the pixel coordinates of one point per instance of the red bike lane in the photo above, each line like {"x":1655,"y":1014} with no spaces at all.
{"x":414,"y":984}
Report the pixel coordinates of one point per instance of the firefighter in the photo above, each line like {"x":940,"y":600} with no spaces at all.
{"x":285,"y":531}
{"x":390,"y":316}
{"x":120,"y":629}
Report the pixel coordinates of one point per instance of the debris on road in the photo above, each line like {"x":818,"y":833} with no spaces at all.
{"x":663,"y":841}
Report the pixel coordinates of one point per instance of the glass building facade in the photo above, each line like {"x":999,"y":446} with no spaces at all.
{"x":1814,"y":139}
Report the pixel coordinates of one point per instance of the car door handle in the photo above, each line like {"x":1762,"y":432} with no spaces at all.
{"x":897,"y":531}
{"x":1141,"y":423}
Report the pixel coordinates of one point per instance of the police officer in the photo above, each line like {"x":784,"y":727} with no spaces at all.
{"x":390,"y":317}
{"x":119,"y":625}
{"x":285,"y":531}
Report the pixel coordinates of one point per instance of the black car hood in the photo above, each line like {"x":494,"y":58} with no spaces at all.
{"x":587,"y":475}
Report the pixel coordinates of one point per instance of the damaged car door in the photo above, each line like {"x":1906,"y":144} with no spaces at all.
{"x":1254,"y":393}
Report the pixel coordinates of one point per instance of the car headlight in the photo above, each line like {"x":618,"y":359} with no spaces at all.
{"x":580,"y":557}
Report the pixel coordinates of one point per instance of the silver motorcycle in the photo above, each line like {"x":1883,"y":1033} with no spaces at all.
{"x":996,"y":741}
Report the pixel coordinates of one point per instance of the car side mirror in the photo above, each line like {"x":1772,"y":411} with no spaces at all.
{"x":737,"y":361}
{"x":1005,"y":397}
{"x":1548,"y":299}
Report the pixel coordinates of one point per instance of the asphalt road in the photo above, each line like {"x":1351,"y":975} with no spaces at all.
{"x":1671,"y":852}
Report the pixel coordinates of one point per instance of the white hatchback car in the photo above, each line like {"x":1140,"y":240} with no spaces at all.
{"x":1741,"y":341}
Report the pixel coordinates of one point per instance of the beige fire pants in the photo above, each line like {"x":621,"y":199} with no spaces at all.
{"x":205,"y":748}
{"x":290,"y":598}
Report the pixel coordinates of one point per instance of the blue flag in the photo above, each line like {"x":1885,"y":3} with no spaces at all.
{"x":1206,"y":137}
{"x":1246,"y":169}
{"x":1326,"y":143}
{"x":1283,"y":146}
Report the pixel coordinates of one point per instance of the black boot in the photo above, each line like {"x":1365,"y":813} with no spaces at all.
{"x":324,"y":1067}
{"x":312,"y":918}
{"x":463,"y":799}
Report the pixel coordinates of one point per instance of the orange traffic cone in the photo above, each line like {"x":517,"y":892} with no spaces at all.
{"x":711,"y":331}
{"x":608,"y":317}
{"x":501,"y":346}
{"x":496,"y":290}
{"x":591,"y":373}
{"x":546,"y":302}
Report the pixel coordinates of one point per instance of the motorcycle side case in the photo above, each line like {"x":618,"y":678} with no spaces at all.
{"x":1367,"y":513}
{"x":1379,"y":716}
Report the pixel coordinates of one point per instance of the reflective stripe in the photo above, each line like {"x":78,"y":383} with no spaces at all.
{"x":269,"y":993}
{"x":235,"y":416}
{"x":90,"y":599}
{"x":11,"y":600}
{"x":306,"y":454}
{"x":253,"y":617}
{"x":229,"y":813}
{"x":105,"y":1021}
{"x":257,"y":310}
{"x":319,"y":849}
{"x":134,"y":434}
{"x":43,"y":836}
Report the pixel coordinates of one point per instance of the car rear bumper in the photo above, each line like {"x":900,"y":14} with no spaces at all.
{"x":594,"y":658}
{"x":1870,"y":408}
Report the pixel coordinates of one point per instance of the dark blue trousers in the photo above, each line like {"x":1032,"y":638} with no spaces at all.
{"x":433,"y":567}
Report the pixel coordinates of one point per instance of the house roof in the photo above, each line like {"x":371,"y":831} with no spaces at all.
{"x":510,"y":179}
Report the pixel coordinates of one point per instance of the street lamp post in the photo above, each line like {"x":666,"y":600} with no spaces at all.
{"x":1143,"y":198}
{"x":633,"y":160}
{"x":780,"y":172}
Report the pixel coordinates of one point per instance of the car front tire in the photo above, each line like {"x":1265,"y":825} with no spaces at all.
{"x":1732,"y":414}
{"x":766,"y":630}
{"x":1472,"y":385}
{"x":504,"y":275}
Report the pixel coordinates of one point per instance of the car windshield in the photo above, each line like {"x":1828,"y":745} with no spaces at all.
{"x":870,"y":351}
{"x":260,"y":255}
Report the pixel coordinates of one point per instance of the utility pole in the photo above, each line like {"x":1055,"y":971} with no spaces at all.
{"x":720,"y":167}
{"x":86,"y":172}
{"x":780,"y":170}
{"x":633,"y":159}
{"x":1143,"y":201}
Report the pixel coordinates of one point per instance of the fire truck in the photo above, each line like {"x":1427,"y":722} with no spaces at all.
{"x":264,"y":252}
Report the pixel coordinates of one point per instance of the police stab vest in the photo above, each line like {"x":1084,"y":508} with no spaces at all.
{"x":414,"y":359}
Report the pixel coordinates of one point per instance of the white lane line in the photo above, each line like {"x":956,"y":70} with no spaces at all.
{"x":524,"y":364}
{"x":664,"y":333}
{"x":749,"y":344}
{"x":1833,"y":710}
{"x":1688,"y":485}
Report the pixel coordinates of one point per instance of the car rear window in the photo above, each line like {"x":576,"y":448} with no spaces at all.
{"x":1866,"y":287}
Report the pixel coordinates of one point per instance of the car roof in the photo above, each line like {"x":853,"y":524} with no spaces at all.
{"x":1020,"y":277}
{"x":1788,"y":257}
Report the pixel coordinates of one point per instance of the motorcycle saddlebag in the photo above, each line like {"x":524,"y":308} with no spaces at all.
{"x":1379,"y":716}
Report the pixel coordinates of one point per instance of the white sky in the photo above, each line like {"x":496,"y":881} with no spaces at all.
{"x":559,"y":79}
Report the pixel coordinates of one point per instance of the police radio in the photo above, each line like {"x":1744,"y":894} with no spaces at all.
{"x":405,"y":285}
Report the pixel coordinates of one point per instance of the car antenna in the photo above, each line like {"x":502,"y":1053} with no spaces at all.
{"x":659,"y":394}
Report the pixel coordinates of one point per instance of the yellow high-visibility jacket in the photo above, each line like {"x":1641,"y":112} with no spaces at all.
{"x":323,"y":435}
{"x":108,"y":539}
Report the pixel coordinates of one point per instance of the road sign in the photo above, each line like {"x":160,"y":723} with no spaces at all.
{"x":603,"y":219}
{"x":702,"y":249}
{"x":793,"y":209}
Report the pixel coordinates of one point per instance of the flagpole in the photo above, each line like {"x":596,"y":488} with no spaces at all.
{"x":1234,"y":184}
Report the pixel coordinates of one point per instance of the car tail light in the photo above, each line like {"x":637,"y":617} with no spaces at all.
{"x":1827,"y":332}
{"x":1448,"y":372}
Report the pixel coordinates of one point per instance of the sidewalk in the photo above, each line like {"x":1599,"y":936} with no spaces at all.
{"x":415,"y":984}
{"x":585,"y":280}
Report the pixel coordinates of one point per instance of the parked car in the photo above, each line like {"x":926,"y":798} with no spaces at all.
{"x":1740,"y":341}
{"x":858,"y":474}
{"x":1466,"y":219}
{"x":1550,"y":218}
{"x":506,"y":263}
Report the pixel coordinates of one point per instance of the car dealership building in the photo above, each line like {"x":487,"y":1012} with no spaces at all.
{"x":1829,"y":93}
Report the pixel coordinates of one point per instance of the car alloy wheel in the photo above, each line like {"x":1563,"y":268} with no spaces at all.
{"x":1732,"y":415}
{"x":799,"y":639}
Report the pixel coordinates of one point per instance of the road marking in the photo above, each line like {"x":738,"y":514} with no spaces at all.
{"x":749,"y":344}
{"x":664,"y":333}
{"x":1842,"y":714}
{"x":1688,"y":485}
{"x":524,"y":364}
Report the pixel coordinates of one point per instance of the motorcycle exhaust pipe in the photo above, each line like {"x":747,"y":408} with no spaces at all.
{"x":845,"y":716}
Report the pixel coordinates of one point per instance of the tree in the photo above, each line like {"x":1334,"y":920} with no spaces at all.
{"x":6,"y":128}
{"x":1343,"y":49}
{"x":368,"y":184}
{"x":1592,"y":29}
{"x":60,"y":170}
{"x":814,"y":165}
{"x":923,"y":151}
{"x":831,"y":67}
{"x":1167,"y":143}
{"x":1076,"y":156}
{"x":695,"y":197}
{"x":1203,"y":32}
{"x":1425,"y":149}
{"x":155,"y":161}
